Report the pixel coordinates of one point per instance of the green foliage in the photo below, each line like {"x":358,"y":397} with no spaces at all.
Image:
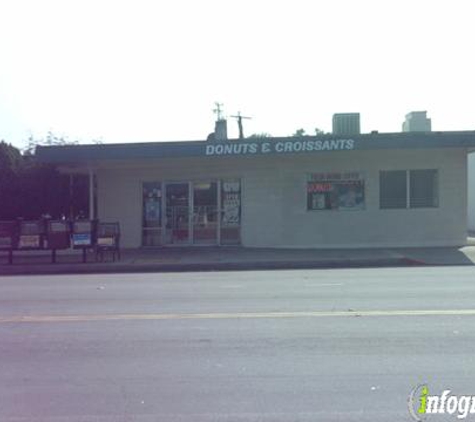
{"x":29,"y":189}
{"x":299,"y":132}
{"x":50,"y":139}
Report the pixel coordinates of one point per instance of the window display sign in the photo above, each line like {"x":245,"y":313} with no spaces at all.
{"x":335,"y":191}
{"x":152,"y":202}
{"x":231,"y":203}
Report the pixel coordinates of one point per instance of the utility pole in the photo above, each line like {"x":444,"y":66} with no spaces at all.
{"x":239,"y":120}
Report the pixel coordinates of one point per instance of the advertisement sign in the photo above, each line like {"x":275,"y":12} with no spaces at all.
{"x":82,"y":239}
{"x":29,"y":241}
{"x":280,"y":147}
{"x":335,"y":191}
{"x":105,"y":241}
{"x":231,"y":203}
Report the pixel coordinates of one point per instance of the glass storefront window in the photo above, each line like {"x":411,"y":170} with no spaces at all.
{"x":192,"y":212}
{"x":205,"y":213}
{"x":178,"y":224}
{"x":408,"y":189}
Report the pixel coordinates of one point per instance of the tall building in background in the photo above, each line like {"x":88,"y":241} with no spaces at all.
{"x":417,"y":121}
{"x":346,"y":124}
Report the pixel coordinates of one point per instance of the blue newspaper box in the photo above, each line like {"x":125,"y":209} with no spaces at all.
{"x":83,"y":235}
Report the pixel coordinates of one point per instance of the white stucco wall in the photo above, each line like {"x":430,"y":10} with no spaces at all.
{"x":274,"y":198}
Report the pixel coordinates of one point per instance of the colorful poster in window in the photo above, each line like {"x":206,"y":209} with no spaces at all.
{"x":152,"y":204}
{"x":335,"y":191}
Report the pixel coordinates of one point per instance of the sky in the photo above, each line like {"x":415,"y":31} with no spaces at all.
{"x":143,"y":71}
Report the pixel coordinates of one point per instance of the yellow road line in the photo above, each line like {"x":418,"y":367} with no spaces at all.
{"x":233,"y":315}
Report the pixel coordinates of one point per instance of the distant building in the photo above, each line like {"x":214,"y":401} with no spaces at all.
{"x":346,"y":124}
{"x":417,"y":121}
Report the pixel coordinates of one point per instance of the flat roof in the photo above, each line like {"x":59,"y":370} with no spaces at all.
{"x":254,"y":146}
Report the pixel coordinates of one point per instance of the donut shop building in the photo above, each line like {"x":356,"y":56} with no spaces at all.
{"x":388,"y":190}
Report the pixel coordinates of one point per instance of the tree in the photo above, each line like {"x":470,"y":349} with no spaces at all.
{"x":299,"y":132}
{"x":50,"y":139}
{"x":10,"y":157}
{"x":11,"y":164}
{"x":29,"y":189}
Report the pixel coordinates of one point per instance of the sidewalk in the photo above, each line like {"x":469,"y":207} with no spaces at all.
{"x":233,"y":258}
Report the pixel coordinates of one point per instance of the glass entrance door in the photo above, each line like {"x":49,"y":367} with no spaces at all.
{"x":177,"y":196}
{"x":195,"y":212}
{"x":205,"y":213}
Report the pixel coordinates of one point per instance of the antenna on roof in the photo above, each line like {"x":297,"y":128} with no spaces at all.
{"x":218,"y":111}
{"x":239,"y":120}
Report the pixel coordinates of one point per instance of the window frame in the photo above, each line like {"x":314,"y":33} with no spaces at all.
{"x":408,"y":172}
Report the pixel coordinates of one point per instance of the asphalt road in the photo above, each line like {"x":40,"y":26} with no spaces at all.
{"x":320,"y":345}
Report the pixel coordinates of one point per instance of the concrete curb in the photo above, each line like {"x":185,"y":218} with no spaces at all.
{"x":117,"y":267}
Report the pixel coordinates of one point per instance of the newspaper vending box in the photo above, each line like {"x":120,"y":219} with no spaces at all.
{"x":8,"y":237}
{"x":83,"y":235}
{"x":58,"y":234}
{"x":108,"y":239}
{"x":31,"y":235}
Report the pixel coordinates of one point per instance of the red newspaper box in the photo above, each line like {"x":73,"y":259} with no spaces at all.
{"x":8,"y":237}
{"x":58,"y":235}
{"x":31,"y":235}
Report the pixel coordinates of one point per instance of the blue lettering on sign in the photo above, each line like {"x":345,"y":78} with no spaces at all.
{"x":82,"y":239}
{"x":245,"y":148}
